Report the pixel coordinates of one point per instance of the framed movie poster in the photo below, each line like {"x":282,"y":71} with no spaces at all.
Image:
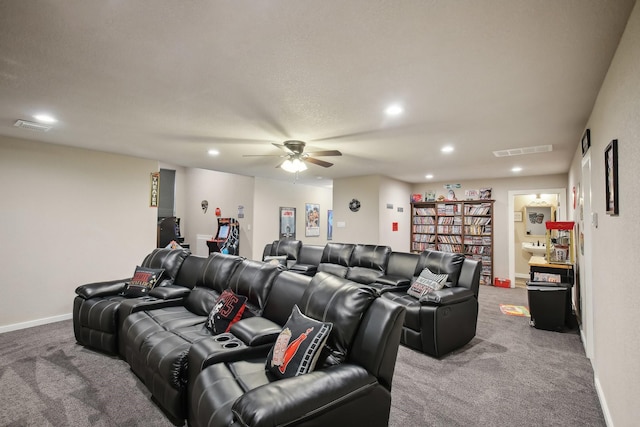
{"x":329,"y":224}
{"x":287,"y":223}
{"x":312,"y":220}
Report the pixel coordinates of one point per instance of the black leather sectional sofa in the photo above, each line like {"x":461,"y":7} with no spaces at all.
{"x":224,"y":379}
{"x":435,"y":324}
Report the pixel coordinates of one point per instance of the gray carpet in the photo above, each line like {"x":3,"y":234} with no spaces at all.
{"x":510,"y":374}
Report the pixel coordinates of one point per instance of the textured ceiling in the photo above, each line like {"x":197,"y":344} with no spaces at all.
{"x":169,"y":80}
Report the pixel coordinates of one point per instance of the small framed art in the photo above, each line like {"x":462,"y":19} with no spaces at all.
{"x":611,"y":177}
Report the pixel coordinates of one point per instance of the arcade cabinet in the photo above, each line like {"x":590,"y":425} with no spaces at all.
{"x":227,"y":238}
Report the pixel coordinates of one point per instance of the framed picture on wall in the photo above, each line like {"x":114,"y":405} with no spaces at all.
{"x":287,"y":223}
{"x":611,"y":177}
{"x":329,"y":224}
{"x":312,"y":220}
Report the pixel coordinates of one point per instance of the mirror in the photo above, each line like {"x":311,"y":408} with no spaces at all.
{"x":535,"y":217}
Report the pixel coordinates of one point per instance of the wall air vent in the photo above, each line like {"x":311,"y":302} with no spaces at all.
{"x":525,"y":150}
{"x":32,"y":126}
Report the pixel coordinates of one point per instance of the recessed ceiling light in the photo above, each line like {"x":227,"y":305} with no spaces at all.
{"x":394,"y":110}
{"x":213,"y":152}
{"x":516,"y":169}
{"x":429,"y":176}
{"x":447,"y":149}
{"x":45,"y":118}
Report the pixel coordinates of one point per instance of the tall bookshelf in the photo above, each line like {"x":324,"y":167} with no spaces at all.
{"x":456,"y":226}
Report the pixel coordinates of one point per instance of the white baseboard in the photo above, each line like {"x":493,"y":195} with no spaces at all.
{"x":37,"y":322}
{"x":603,"y":402}
{"x":522,"y":276}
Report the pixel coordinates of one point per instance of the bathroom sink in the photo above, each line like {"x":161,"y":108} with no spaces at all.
{"x":534,"y":249}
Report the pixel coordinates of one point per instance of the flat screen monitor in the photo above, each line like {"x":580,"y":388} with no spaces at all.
{"x":223,"y":232}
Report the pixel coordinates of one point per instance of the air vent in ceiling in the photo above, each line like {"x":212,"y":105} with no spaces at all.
{"x":525,"y":150}
{"x":32,"y":126}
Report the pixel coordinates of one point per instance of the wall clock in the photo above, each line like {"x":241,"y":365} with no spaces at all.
{"x":354,"y":205}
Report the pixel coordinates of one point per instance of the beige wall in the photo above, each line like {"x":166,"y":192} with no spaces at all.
{"x":222,"y":190}
{"x":372,"y":224}
{"x":395,"y":193}
{"x":500,"y":193}
{"x":361,"y":226}
{"x":68,"y":216}
{"x":270,"y":195}
{"x":616,"y":241}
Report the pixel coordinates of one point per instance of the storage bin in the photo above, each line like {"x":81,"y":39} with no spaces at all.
{"x":502,"y":283}
{"x":549,"y":306}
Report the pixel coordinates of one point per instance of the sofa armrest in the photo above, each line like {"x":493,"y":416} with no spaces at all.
{"x":308,"y":269}
{"x":447,"y":296}
{"x":132,"y":305}
{"x":169,"y":292}
{"x":255,"y":331}
{"x":294,"y":400}
{"x":101,"y":289}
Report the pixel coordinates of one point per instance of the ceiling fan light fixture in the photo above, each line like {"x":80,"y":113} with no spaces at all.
{"x":293,"y":166}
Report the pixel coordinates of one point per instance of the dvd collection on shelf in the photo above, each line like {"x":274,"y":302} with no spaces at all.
{"x":455,"y":226}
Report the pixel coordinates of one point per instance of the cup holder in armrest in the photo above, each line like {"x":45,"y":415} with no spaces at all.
{"x":228,"y":341}
{"x":223,"y":337}
{"x":231,"y":344}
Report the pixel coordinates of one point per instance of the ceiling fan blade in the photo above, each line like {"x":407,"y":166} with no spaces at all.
{"x":282,"y":147}
{"x":325,"y":153}
{"x":318,"y":162}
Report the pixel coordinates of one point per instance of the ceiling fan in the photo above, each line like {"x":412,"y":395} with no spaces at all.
{"x":295,"y":157}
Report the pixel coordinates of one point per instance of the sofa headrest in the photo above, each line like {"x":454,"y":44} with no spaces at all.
{"x":342,"y":302}
{"x":288,"y":247}
{"x":169,"y":259}
{"x":337,"y":253}
{"x":441,"y":263}
{"x":286,"y":291}
{"x":254,"y":279}
{"x":191,"y":271}
{"x":374,"y":257}
{"x":218,"y":270}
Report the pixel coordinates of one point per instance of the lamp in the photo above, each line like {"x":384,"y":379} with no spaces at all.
{"x":293,"y":166}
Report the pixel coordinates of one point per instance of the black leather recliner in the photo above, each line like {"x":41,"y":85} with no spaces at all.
{"x":96,"y":306}
{"x":443,"y":320}
{"x":157,"y":342}
{"x":357,"y":391}
{"x":288,"y":248}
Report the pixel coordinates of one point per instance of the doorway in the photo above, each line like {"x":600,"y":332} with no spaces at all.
{"x":557,"y":194}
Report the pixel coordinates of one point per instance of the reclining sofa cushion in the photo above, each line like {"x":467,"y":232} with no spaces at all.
{"x":297,"y":348}
{"x":367,"y":263}
{"x":335,"y":258}
{"x":276,"y":260}
{"x":288,"y":248}
{"x":213,"y":279}
{"x":254,"y":279}
{"x":441,"y":263}
{"x":399,"y":272}
{"x":309,"y":259}
{"x":339,"y":301}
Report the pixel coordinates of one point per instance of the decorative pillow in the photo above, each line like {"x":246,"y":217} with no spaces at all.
{"x":298,"y":346}
{"x":276,"y":260}
{"x":144,"y":279}
{"x":426,"y":282}
{"x":227,"y":310}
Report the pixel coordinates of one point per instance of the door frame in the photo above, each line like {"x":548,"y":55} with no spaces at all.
{"x":561,"y":210}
